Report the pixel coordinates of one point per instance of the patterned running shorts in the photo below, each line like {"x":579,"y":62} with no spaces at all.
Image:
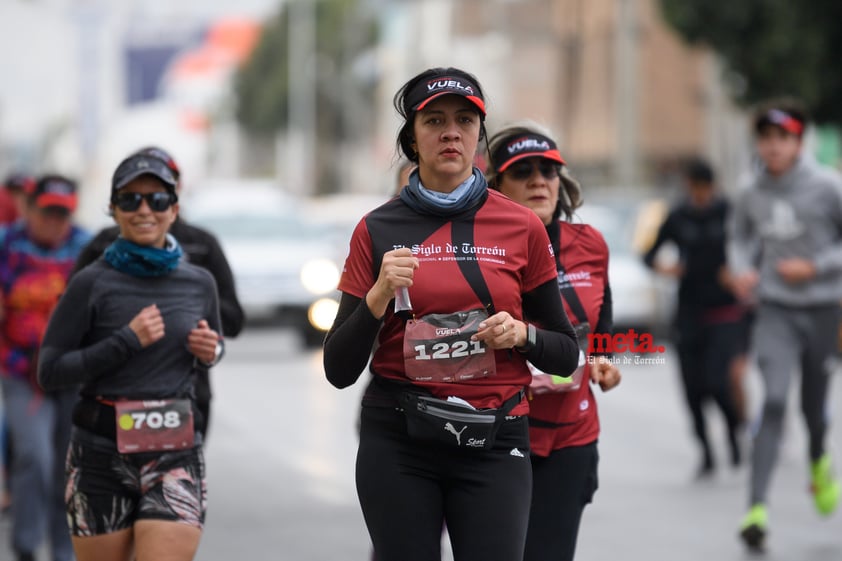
{"x":106,"y":491}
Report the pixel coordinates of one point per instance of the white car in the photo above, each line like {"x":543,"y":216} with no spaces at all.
{"x":286,"y":269}
{"x":640,"y":299}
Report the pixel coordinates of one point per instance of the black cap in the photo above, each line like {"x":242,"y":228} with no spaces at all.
{"x":162,"y":154}
{"x":140,"y":164}
{"x":55,"y":191}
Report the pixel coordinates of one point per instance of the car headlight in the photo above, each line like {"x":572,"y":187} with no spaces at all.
{"x":322,"y":313}
{"x":320,"y":276}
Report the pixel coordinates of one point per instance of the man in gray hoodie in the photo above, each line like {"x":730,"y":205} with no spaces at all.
{"x":785,"y":256}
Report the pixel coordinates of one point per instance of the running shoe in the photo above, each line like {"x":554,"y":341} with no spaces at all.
{"x":753,"y":528}
{"x":824,"y":486}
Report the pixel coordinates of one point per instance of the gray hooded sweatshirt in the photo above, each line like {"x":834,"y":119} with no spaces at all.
{"x":798,"y":214}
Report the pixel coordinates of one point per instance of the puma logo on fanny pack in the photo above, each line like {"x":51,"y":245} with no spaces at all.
{"x":451,"y":429}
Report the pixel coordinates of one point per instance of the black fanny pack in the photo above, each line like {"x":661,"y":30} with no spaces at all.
{"x":461,"y":426}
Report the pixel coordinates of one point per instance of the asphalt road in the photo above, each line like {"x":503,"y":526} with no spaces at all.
{"x":281,"y":453}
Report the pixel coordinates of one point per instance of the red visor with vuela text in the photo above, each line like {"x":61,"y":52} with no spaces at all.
{"x":525,"y":146}
{"x":426,"y":91}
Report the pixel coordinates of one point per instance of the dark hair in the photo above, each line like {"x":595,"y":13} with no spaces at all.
{"x":570,"y":192}
{"x":699,"y":170}
{"x":404,"y":106}
{"x":792,"y":106}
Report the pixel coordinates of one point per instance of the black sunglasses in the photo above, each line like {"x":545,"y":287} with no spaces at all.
{"x":158,"y":201}
{"x":523,"y":170}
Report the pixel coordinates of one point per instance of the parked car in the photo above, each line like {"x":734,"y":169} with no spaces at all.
{"x":286,"y":269}
{"x":641,"y":299}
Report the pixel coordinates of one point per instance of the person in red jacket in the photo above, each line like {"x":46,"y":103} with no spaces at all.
{"x":563,"y":422}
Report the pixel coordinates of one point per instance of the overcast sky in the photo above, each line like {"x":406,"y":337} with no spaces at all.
{"x":41,"y":59}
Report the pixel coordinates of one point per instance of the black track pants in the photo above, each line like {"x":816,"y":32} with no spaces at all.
{"x":408,"y":488}
{"x":705,"y":352}
{"x":563,"y":483}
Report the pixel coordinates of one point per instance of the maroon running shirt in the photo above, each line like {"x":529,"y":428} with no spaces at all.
{"x":514,"y":255}
{"x":570,"y":419}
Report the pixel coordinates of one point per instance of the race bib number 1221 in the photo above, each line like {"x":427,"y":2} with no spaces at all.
{"x":438,"y":348}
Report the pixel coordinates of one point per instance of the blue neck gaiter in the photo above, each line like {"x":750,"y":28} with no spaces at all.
{"x":141,"y":260}
{"x":469,"y":194}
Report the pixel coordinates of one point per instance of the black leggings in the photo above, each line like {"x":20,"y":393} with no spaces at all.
{"x":407,"y":489}
{"x":705,"y":352}
{"x":563,"y":483}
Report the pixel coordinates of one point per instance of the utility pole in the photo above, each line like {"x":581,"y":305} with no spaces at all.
{"x":301,"y":122}
{"x":88,"y":17}
{"x":627,"y":106}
